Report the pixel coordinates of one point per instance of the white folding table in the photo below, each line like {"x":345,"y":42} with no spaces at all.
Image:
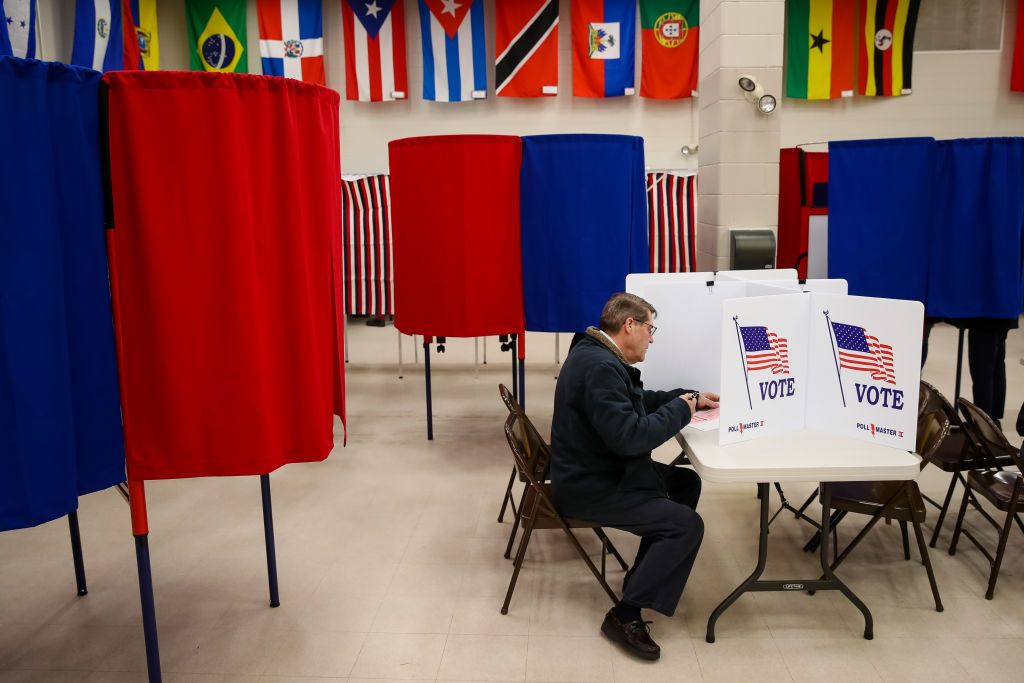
{"x":794,"y":457}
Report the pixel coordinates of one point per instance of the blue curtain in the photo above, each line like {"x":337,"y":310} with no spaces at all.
{"x":60,"y":423}
{"x":584,"y":226}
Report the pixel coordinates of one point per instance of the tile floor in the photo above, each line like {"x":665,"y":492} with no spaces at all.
{"x":391,"y":566}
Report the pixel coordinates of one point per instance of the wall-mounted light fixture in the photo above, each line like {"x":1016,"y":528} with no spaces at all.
{"x":689,"y":150}
{"x":754,"y":92}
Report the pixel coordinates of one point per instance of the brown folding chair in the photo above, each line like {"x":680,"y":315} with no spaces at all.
{"x":957,"y":454}
{"x":532,"y":459}
{"x":510,"y":402}
{"x":895,"y":500}
{"x":1002,"y":488}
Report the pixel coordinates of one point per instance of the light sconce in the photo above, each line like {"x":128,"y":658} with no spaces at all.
{"x":754,"y":92}
{"x":689,"y":150}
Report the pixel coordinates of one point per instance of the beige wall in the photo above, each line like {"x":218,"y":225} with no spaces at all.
{"x":955,"y":94}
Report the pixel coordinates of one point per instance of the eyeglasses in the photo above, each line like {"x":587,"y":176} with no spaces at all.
{"x":642,"y":322}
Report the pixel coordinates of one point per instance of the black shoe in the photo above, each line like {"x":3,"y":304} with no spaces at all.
{"x":377,"y":322}
{"x":635,"y":636}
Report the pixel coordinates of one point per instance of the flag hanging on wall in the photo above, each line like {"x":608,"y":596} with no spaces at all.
{"x":99,"y":38}
{"x":820,"y":49}
{"x":671,"y":228}
{"x":144,"y":18}
{"x":366,"y":245}
{"x":454,"y":50}
{"x":603,"y":47}
{"x":886,"y":37}
{"x":526,"y":48}
{"x":1017,"y":75}
{"x":217,"y":35}
{"x":18,"y":28}
{"x":669,"y":32}
{"x":374,"y":50}
{"x":292,"y":39}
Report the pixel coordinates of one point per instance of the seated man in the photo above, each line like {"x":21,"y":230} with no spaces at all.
{"x":604,"y":427}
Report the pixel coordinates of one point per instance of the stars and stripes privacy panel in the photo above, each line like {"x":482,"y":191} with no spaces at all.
{"x":60,"y":424}
{"x":375,"y":68}
{"x":671,"y":224}
{"x":292,"y":39}
{"x":227,"y":292}
{"x":366,"y":245}
{"x":584,"y":226}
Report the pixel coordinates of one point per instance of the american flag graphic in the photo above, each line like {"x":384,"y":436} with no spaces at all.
{"x":862,"y":352}
{"x":765,"y":350}
{"x":366,"y":248}
{"x":671,"y":229}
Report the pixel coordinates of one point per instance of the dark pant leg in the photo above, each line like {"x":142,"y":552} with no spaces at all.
{"x":683,"y":486}
{"x":986,"y":358}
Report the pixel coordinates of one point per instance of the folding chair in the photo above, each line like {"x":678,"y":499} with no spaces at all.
{"x":510,"y":402}
{"x":532,"y":459}
{"x":1004,"y":489}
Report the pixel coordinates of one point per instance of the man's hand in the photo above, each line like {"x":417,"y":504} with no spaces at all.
{"x":708,"y":399}
{"x":688,"y":400}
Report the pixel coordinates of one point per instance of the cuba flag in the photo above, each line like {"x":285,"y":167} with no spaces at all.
{"x":99,"y":40}
{"x":292,"y":39}
{"x":454,"y":50}
{"x":18,"y":28}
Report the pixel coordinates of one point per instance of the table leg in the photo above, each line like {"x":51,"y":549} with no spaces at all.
{"x":829,"y":577}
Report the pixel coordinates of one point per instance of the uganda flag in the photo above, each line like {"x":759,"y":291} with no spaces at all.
{"x":886,"y":36}
{"x":819,"y":49}
{"x":670,"y":35}
{"x":216,"y":35}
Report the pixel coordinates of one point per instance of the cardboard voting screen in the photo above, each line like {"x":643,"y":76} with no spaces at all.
{"x":763,"y":366}
{"x":754,"y":275}
{"x":766,"y":287}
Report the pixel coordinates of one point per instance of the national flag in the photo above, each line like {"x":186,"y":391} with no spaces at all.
{"x":886,"y":36}
{"x":454,"y":50}
{"x":603,"y":47}
{"x":131,"y":58}
{"x":18,"y":28}
{"x":820,"y":49}
{"x":374,"y":50}
{"x":1017,"y":74}
{"x":671,"y":231}
{"x":670,"y":37}
{"x":526,"y":48}
{"x":366,"y":245}
{"x":862,"y":352}
{"x":765,"y":350}
{"x":99,"y":39}
{"x":144,"y":19}
{"x":217,"y":35}
{"x":292,"y":39}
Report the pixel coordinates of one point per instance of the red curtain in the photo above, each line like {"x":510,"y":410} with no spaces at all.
{"x":455,"y":217}
{"x":225,"y":270}
{"x":799,"y":172}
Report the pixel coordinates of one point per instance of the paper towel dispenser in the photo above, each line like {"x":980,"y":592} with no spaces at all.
{"x":752,"y":249}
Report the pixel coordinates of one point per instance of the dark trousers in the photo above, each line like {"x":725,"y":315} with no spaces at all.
{"x":671,"y":532}
{"x":986,"y":357}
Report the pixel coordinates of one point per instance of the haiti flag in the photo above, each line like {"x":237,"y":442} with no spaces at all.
{"x":603,"y":47}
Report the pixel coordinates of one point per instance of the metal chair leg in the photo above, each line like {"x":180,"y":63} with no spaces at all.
{"x":611,"y":548}
{"x":942,"y":511}
{"x":923,"y":549}
{"x":959,"y":521}
{"x":906,"y":540}
{"x":1004,"y":534}
{"x":515,"y":524}
{"x":508,"y":497}
{"x":518,"y":564}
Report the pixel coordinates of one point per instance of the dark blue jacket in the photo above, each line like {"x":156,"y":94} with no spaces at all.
{"x":603,"y":430}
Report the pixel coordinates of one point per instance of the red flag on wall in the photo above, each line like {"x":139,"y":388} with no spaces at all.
{"x":526,"y":47}
{"x":1017,"y":75}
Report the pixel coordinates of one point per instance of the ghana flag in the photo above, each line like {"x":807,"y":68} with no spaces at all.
{"x":216,"y":35}
{"x":819,"y":49}
{"x":886,"y":36}
{"x":670,"y":35}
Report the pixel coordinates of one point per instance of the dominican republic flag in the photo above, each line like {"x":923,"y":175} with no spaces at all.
{"x":603,"y":47}
{"x":374,"y":50}
{"x":863,"y":352}
{"x":18,"y":28}
{"x":765,"y":350}
{"x":454,"y":50}
{"x":671,"y":230}
{"x":526,"y":45}
{"x":366,"y":245}
{"x":292,"y":39}
{"x":99,"y":42}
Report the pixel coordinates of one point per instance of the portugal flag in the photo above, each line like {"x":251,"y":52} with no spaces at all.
{"x":670,"y":35}
{"x":819,"y":49}
{"x":886,"y":37}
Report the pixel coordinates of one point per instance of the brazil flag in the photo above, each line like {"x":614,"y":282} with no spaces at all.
{"x":216,"y":35}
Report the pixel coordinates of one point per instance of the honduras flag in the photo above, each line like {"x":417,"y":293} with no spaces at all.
{"x":454,"y":50}
{"x":18,"y":28}
{"x":99,"y":40}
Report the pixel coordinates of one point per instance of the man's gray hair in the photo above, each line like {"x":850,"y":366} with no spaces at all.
{"x":623,"y":305}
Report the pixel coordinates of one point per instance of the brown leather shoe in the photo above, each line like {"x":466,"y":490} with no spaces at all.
{"x":634,"y":636}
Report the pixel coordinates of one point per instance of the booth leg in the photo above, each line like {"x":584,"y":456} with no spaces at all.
{"x":268,"y":533}
{"x":485,"y":350}
{"x":430,"y":408}
{"x":515,"y":366}
{"x":959,"y":364}
{"x":148,"y":607}
{"x":76,"y":553}
{"x":345,"y":329}
{"x":400,"y":373}
{"x":522,"y":383}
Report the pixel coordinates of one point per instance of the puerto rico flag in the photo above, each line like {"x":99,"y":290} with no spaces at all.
{"x":454,"y":50}
{"x":99,"y":42}
{"x":292,"y":39}
{"x":603,"y":48}
{"x":18,"y":28}
{"x":526,"y":44}
{"x":374,"y":50}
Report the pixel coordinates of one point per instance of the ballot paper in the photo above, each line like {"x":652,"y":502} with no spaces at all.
{"x":705,"y":420}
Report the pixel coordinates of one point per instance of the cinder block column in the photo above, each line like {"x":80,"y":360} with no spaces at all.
{"x":738,"y":163}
